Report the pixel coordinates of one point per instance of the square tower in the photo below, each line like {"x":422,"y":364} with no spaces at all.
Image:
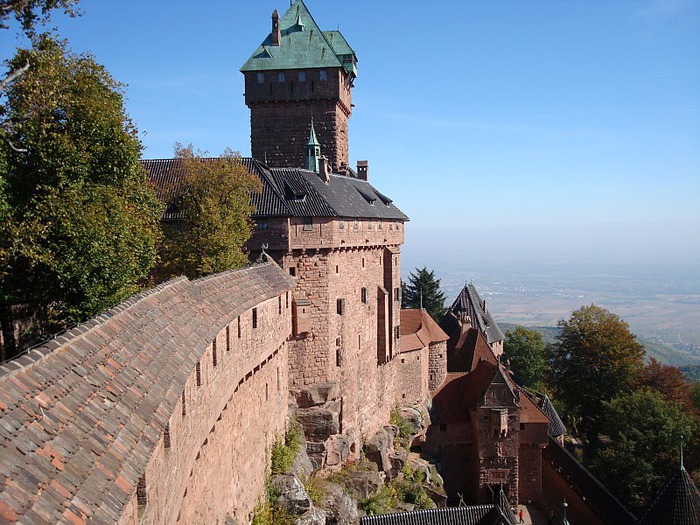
{"x":297,"y":74}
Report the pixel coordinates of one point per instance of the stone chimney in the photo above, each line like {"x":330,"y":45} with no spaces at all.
{"x":323,"y":170}
{"x":363,"y":169}
{"x":276,"y":32}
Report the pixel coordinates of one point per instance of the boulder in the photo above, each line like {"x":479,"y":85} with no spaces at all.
{"x":397,"y":459}
{"x":413,"y":417}
{"x":320,"y":422}
{"x":362,"y":484}
{"x":419,"y":465}
{"x":313,"y":516}
{"x":376,"y":449}
{"x":317,"y":454}
{"x":340,"y":508}
{"x":302,"y":467}
{"x":293,"y":496}
{"x":316,"y":395}
{"x":337,"y":450}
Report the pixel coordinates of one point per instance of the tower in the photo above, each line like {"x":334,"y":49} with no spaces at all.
{"x":297,"y":74}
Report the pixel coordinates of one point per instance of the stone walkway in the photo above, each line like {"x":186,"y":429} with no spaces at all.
{"x":531,"y":515}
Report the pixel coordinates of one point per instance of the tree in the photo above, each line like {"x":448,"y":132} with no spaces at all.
{"x":82,"y":225}
{"x":217,"y":207}
{"x":667,"y":380}
{"x":645,"y":432}
{"x":423,"y":291}
{"x":527,"y":353}
{"x":595,"y":359}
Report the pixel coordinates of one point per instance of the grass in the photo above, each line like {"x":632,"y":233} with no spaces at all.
{"x":405,"y":427}
{"x":285,"y":450}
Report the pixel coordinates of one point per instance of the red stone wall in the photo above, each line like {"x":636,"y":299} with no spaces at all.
{"x":217,"y":458}
{"x":413,"y":377}
{"x":438,"y":365}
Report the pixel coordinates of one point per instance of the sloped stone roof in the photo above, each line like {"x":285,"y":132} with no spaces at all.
{"x":286,"y":192}
{"x":418,"y":330}
{"x":81,"y":415}
{"x":556,"y":426}
{"x":468,"y":303}
{"x":302,"y":46}
{"x":678,"y":503}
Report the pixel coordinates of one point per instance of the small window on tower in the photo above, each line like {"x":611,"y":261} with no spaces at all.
{"x":280,"y":77}
{"x":302,"y":76}
{"x":260,"y":78}
{"x":323,"y":74}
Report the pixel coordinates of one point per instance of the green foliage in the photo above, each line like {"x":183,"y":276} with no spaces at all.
{"x":216,"y":203}
{"x":423,"y":290}
{"x":315,"y":489}
{"x":691,"y":372}
{"x":595,"y":359}
{"x":267,"y":512}
{"x":29,"y":13}
{"x":405,"y":427}
{"x":408,"y":487}
{"x":645,"y":431}
{"x":695,"y":395}
{"x":81,"y":224}
{"x":526,"y":351}
{"x":284,"y":451}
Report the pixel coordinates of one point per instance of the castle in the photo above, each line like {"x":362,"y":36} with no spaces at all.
{"x":164,"y":408}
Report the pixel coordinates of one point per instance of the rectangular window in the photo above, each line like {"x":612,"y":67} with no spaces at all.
{"x":301,"y":76}
{"x":286,"y":295}
{"x":308,"y":224}
{"x":260,"y":78}
{"x":355,"y":224}
{"x":341,"y":225}
{"x":166,"y":436}
{"x":141,"y":496}
{"x":213,"y":353}
{"x":292,"y":271}
{"x":280,"y":76}
{"x":397,"y":293}
{"x":323,"y":74}
{"x":184,"y":404}
{"x":261,"y":224}
{"x":239,"y":327}
{"x":391,"y":226}
{"x":228,"y":338}
{"x":198,"y":372}
{"x":379,"y":225}
{"x":279,"y":305}
{"x":397,"y":333}
{"x":255,"y":317}
{"x":370,"y":225}
{"x":365,"y":295}
{"x":340,"y":306}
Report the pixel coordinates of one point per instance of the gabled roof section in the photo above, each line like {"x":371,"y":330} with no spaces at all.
{"x":302,"y":45}
{"x":418,"y":330}
{"x":468,"y":303}
{"x":678,"y":503}
{"x":286,"y":192}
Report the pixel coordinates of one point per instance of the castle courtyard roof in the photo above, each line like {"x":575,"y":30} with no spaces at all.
{"x":287,"y":192}
{"x":418,"y":330}
{"x":678,"y":503}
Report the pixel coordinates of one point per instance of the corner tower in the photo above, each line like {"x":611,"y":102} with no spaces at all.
{"x":297,"y":74}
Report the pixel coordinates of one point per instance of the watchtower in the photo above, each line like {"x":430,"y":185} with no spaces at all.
{"x":297,"y":74}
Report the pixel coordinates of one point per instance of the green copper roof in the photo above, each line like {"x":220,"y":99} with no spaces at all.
{"x":313,"y":140}
{"x":302,"y":46}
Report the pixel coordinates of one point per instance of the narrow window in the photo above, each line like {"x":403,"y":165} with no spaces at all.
{"x":308,"y":224}
{"x":255,"y":317}
{"x":166,"y":436}
{"x":184,"y":404}
{"x":341,"y":225}
{"x":261,"y":224}
{"x":287,"y":299}
{"x":338,"y":341}
{"x":338,"y":357}
{"x":279,"y":382}
{"x":397,"y":293}
{"x":391,"y":226}
{"x":280,"y":77}
{"x":379,"y":225}
{"x":260,"y":78}
{"x":364,"y":295}
{"x":355,"y":224}
{"x":323,"y":75}
{"x":228,"y":338}
{"x":267,"y":392}
{"x":141,"y":496}
{"x":363,"y":262}
{"x":370,"y":225}
{"x":397,"y":333}
{"x":279,"y":305}
{"x":340,"y":306}
{"x":239,"y":327}
{"x":301,"y":77}
{"x":199,"y":374}
{"x":213,"y":353}
{"x":292,"y":271}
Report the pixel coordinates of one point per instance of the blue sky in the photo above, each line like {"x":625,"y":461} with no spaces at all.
{"x":515,"y":129}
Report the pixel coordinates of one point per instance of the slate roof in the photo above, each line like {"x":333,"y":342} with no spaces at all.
{"x":556,"y":426}
{"x":469,"y":303}
{"x":498,"y":513}
{"x":81,"y":415}
{"x":678,"y":503}
{"x":302,"y":46}
{"x":418,"y":330}
{"x":286,"y":192}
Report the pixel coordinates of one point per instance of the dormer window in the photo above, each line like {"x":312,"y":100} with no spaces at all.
{"x":280,"y":77}
{"x":323,"y":75}
{"x":260,"y":77}
{"x":301,"y":76}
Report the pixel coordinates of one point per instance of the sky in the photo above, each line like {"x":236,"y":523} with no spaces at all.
{"x":513,"y":131}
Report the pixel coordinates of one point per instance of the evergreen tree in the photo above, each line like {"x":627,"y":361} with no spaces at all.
{"x":81,"y":224}
{"x":423,"y":291}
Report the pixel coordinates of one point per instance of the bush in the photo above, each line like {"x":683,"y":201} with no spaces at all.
{"x":284,"y":452}
{"x":405,"y":427}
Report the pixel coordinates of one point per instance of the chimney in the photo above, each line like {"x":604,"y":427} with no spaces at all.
{"x":276,"y":32}
{"x":323,"y":170}
{"x":363,"y":169}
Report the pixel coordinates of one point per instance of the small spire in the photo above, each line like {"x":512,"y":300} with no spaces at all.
{"x":682,"y":467}
{"x":564,"y":520}
{"x":313,"y":151}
